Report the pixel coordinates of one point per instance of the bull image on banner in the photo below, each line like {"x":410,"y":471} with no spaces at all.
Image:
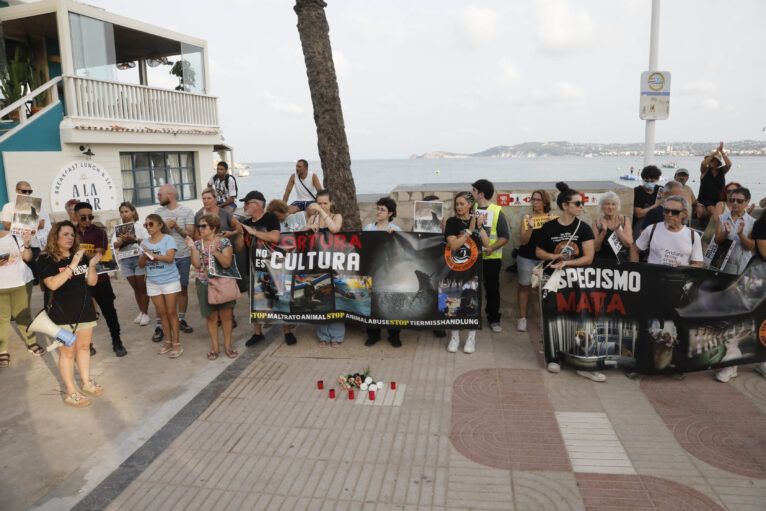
{"x":655,"y":319}
{"x":406,"y":280}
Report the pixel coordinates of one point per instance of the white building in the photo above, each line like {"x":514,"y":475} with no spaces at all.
{"x":135,"y":96}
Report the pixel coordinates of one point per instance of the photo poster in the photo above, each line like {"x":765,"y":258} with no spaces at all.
{"x":538,"y":222}
{"x":428,"y":216}
{"x":217,"y":270}
{"x":131,"y":249}
{"x":26,"y":214}
{"x":655,"y":319}
{"x":717,"y":255}
{"x":107,"y":264}
{"x":402,"y":280}
{"x":620,"y":251}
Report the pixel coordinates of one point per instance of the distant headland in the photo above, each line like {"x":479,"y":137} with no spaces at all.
{"x":588,"y":150}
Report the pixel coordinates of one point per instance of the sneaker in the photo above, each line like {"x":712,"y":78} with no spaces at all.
{"x":496,"y":327}
{"x":454,"y":343}
{"x":138,"y":318}
{"x":145,"y":320}
{"x":593,"y":375}
{"x":726,"y":374}
{"x":440,"y":333}
{"x":92,"y":351}
{"x":521,"y":326}
{"x":290,"y":339}
{"x":553,"y":367}
{"x":77,"y":400}
{"x":254,"y":339}
{"x":761,"y":369}
{"x":470,"y":343}
{"x":185,"y":328}
{"x":120,"y":350}
{"x":158,"y":334}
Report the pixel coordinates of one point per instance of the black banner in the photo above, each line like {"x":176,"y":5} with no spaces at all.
{"x":402,"y":280}
{"x":655,"y":319}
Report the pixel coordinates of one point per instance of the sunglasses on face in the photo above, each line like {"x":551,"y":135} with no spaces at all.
{"x":25,"y":192}
{"x":674,"y":212}
{"x":202,"y":226}
{"x":738,"y":201}
{"x":576,"y":203}
{"x":149,"y":224}
{"x":535,"y":199}
{"x":86,"y":217}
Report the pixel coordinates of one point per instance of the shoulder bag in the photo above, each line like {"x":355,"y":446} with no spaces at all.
{"x":220,"y":289}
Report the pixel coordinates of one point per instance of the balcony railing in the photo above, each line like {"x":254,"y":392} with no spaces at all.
{"x":98,"y":99}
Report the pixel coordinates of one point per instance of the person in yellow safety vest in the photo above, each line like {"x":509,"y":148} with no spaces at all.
{"x":499,"y":234}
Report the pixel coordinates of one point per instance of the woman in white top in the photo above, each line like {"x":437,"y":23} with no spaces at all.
{"x":15,"y":289}
{"x":129,"y":265}
{"x":736,"y":225}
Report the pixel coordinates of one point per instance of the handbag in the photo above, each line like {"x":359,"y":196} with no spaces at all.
{"x":220,"y":289}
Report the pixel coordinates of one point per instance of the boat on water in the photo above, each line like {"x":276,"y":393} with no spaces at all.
{"x":630,"y":177}
{"x":243,"y":172}
{"x":670,"y":165}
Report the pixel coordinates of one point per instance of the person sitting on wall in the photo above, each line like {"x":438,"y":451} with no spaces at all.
{"x":225,"y":186}
{"x":94,"y":240}
{"x":713,"y":171}
{"x":306,"y":187}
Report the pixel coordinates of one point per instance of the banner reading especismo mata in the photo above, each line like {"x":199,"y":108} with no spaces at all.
{"x":655,"y":319}
{"x":402,"y":280}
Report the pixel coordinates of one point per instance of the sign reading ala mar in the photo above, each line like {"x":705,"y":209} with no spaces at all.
{"x":85,"y":181}
{"x":655,"y":95}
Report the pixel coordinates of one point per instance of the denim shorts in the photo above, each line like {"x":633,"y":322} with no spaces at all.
{"x":183,"y":264}
{"x":302,"y":204}
{"x":129,"y":267}
{"x":525,"y":267}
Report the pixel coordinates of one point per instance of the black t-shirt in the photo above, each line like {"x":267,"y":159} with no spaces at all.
{"x":553,"y":238}
{"x":68,"y":300}
{"x":759,"y":233}
{"x":710,"y":188}
{"x":654,"y":216}
{"x":455,"y":226}
{"x":268,"y":222}
{"x":528,"y":250}
{"x":643,"y":199}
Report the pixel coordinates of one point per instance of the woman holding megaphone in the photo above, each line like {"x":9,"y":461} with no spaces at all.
{"x":67,"y":274}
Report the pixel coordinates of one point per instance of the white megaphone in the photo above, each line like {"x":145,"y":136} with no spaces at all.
{"x":42,"y":324}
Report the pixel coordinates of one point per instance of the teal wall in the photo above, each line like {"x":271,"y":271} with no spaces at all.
{"x":40,"y":134}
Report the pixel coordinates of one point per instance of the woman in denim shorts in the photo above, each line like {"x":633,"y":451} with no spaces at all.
{"x":526,"y":260}
{"x":129,"y":265}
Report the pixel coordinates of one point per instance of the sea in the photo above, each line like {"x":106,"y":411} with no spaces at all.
{"x":382,"y":176}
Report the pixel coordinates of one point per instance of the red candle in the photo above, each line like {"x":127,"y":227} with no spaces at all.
{"x":351,"y":393}
{"x":320,"y":384}
{"x":332,"y":393}
{"x":393,"y":385}
{"x":372,"y":395}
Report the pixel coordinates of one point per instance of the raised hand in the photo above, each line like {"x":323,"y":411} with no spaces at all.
{"x":77,"y":257}
{"x":95,"y":260}
{"x":189,"y":242}
{"x":171,"y":222}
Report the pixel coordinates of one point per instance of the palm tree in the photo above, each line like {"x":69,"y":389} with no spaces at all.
{"x":328,"y":114}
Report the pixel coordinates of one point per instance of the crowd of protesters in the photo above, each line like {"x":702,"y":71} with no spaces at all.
{"x":668,"y":227}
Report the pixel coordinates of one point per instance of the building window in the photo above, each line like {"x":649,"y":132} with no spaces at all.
{"x":144,"y":173}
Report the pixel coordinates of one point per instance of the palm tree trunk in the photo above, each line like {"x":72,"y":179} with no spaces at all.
{"x":328,"y":114}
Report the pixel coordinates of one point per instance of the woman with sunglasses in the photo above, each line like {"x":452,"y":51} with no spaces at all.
{"x":67,"y":275}
{"x":527,"y":258}
{"x":567,"y":241}
{"x":211,"y":244}
{"x":129,"y":265}
{"x":163,"y":282}
{"x":736,"y":225}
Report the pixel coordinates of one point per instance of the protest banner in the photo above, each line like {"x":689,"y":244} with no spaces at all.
{"x":402,"y":280}
{"x":428,"y":216}
{"x":26,"y":214}
{"x":655,"y":319}
{"x":127,"y":249}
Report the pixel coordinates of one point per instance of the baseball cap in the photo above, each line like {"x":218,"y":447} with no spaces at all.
{"x":254,"y":195}
{"x":682,"y":171}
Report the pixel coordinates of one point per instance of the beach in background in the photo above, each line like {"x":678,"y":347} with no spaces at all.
{"x":381,"y":176}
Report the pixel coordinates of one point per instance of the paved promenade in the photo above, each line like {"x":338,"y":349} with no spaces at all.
{"x":491,"y":430}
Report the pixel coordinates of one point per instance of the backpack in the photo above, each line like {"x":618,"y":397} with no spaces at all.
{"x":226,"y":183}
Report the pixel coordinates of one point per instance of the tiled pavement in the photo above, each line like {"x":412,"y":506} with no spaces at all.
{"x":491,"y":430}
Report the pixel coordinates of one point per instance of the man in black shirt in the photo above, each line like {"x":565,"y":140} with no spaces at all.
{"x":645,"y":196}
{"x":656,"y":215}
{"x":260,"y":227}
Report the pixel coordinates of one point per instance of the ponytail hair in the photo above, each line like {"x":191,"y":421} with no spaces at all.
{"x":565,"y":194}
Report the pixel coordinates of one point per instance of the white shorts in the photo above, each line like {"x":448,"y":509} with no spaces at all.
{"x":153,"y":289}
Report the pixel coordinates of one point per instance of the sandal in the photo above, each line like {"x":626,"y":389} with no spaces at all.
{"x":176,"y":353}
{"x":166,"y":348}
{"x":232,"y":353}
{"x":92,"y":388}
{"x":35,"y":349}
{"x":212,"y":355}
{"x":5,"y":359}
{"x":77,"y":400}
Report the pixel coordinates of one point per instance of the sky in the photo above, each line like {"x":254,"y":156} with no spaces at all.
{"x":461,"y":76}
